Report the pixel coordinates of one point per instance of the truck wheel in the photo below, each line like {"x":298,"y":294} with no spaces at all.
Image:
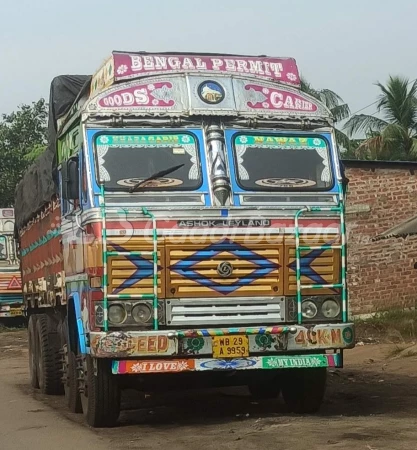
{"x":303,"y":389}
{"x":33,"y":352}
{"x":70,"y":372}
{"x":49,"y":364}
{"x":101,"y":396}
{"x":264,"y":387}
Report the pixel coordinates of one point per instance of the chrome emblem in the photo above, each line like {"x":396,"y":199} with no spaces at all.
{"x":211,"y":92}
{"x":225,"y":269}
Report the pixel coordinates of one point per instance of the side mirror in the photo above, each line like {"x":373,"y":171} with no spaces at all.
{"x":70,"y":179}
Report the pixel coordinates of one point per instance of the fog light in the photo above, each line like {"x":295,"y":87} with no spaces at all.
{"x":141,"y":313}
{"x":117,"y":314}
{"x":330,"y":309}
{"x":308,"y":309}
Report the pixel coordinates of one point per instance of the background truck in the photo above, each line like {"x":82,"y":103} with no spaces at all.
{"x":11,"y":298}
{"x":185,"y":225}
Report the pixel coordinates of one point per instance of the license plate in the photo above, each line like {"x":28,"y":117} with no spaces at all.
{"x":230,"y":346}
{"x":15,"y":312}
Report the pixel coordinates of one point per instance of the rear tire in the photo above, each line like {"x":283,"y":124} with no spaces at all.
{"x":303,"y":389}
{"x":49,"y":361}
{"x":101,"y":396}
{"x":71,"y":391}
{"x":33,"y":352}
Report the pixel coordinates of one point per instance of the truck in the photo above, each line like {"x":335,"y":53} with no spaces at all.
{"x":11,"y":298}
{"x":185,"y":226}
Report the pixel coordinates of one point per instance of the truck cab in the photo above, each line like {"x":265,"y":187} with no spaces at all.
{"x":11,"y":298}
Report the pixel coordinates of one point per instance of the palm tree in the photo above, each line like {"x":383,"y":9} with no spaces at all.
{"x":395,"y":135}
{"x":334,"y":103}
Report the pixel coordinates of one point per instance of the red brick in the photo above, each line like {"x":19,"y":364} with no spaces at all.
{"x":391,"y":195}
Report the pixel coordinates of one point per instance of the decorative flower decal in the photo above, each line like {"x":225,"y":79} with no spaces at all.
{"x":122,"y":69}
{"x":292,"y":76}
{"x":137,"y":368}
{"x":182,"y":365}
{"x":155,"y":102}
{"x":316,"y":141}
{"x":243,"y":139}
{"x":185,"y":139}
{"x":151,"y":87}
{"x":265,"y":91}
{"x":104,"y":139}
{"x":265,"y":105}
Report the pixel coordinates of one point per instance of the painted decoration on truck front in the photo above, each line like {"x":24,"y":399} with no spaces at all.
{"x":130,"y":65}
{"x":134,"y":367}
{"x":153,"y":94}
{"x":194,"y":271}
{"x":158,"y":94}
{"x":103,"y":78}
{"x":193,"y":94}
{"x":259,"y":97}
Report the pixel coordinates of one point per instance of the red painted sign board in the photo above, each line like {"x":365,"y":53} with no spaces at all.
{"x":133,"y":65}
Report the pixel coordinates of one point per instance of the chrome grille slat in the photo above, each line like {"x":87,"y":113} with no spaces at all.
{"x":203,"y":312}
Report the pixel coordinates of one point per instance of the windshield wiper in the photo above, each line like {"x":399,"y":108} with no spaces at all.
{"x":156,"y":175}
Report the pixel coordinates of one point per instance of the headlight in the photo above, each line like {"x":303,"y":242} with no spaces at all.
{"x":141,"y":313}
{"x":117,"y":314}
{"x":308,"y":309}
{"x":330,"y":309}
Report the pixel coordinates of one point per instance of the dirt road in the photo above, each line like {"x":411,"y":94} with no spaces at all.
{"x":370,"y":405}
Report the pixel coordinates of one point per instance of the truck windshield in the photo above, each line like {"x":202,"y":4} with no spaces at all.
{"x":282,"y":163}
{"x":123,"y":160}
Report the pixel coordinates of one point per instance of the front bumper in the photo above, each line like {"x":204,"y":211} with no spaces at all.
{"x":11,"y":311}
{"x":263,"y":341}
{"x":307,"y":361}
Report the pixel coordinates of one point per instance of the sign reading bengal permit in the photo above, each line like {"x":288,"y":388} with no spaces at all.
{"x":131,"y":65}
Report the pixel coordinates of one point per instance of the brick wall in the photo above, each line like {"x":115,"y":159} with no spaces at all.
{"x":381,"y":274}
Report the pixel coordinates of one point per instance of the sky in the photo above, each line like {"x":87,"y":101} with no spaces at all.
{"x":345,"y":46}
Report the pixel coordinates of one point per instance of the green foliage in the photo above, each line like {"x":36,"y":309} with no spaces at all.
{"x":393,"y":137}
{"x":22,"y":139}
{"x":339,"y":109}
{"x":334,"y":102}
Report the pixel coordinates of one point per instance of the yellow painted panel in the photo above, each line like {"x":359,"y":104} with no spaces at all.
{"x":270,"y":284}
{"x":327,"y":264}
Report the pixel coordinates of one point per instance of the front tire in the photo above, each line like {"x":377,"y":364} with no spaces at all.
{"x":303,"y":389}
{"x":33,"y":352}
{"x":101,"y":396}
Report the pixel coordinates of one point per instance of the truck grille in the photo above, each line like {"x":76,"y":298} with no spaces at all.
{"x":212,"y":312}
{"x":194,"y":270}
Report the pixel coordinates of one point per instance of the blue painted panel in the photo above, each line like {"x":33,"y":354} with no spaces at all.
{"x":80,"y":326}
{"x":11,"y":298}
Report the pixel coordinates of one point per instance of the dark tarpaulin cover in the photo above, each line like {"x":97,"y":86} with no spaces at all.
{"x":37,"y":186}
